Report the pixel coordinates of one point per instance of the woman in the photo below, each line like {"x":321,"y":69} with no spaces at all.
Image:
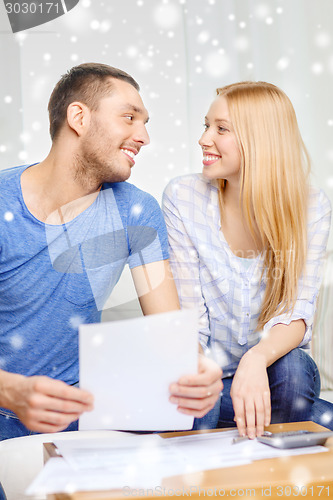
{"x":247,"y":240}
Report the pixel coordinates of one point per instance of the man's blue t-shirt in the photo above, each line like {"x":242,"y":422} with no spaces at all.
{"x":55,"y":277}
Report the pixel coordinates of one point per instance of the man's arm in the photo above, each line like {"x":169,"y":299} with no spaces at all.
{"x":41,"y":403}
{"x":155,"y":287}
{"x":194,"y":394}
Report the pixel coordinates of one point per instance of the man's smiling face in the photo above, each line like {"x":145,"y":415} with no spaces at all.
{"x":116,"y":133}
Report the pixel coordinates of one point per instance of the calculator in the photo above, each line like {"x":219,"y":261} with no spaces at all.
{"x":295,"y":439}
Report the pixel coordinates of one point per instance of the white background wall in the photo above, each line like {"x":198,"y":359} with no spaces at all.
{"x":179,"y":51}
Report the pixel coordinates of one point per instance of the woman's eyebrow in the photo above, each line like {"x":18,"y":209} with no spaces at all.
{"x":222,"y":120}
{"x":218,"y":120}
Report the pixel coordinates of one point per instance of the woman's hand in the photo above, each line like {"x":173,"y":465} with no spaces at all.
{"x":250,"y":395}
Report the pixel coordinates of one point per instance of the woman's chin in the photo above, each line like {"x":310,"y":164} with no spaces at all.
{"x":208,"y":174}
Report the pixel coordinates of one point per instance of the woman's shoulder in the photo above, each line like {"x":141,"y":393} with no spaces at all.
{"x":319,"y":203}
{"x":189,"y":185}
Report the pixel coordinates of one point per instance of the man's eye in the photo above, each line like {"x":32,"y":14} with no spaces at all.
{"x":130,"y":117}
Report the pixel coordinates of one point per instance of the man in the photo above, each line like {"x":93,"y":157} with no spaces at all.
{"x":69,"y":224}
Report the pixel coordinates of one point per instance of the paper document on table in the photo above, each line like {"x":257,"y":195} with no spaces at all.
{"x":128,"y":461}
{"x":108,"y":453}
{"x":128,"y":366}
{"x":161,"y":457}
{"x":57,"y":476}
{"x":219,"y":450}
{"x":101,"y":462}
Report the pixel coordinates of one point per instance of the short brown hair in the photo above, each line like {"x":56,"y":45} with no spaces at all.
{"x":86,"y":83}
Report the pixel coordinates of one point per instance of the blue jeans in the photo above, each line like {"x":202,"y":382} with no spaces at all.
{"x":294,"y":383}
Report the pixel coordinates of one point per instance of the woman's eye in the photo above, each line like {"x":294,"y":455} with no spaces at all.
{"x":130,"y":117}
{"x":222,"y":129}
{"x":205,"y":126}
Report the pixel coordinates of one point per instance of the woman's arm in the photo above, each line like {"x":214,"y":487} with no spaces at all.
{"x":184,"y":262}
{"x":250,"y":391}
{"x":319,"y":221}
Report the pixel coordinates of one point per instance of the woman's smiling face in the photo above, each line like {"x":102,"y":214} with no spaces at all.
{"x":221,"y":156}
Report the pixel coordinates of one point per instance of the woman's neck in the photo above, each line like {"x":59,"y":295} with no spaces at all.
{"x":235,"y":227}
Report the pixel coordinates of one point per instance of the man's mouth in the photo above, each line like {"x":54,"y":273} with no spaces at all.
{"x":129,"y":153}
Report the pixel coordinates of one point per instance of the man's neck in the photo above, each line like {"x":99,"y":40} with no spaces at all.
{"x":53,"y":194}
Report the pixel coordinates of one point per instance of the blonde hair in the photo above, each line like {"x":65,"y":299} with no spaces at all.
{"x":274,"y":186}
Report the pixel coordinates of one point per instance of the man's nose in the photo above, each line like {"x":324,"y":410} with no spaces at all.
{"x":141,"y":136}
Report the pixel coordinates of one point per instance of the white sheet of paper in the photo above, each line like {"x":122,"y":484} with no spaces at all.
{"x":107,"y":453}
{"x":128,"y":366}
{"x":57,"y":476}
{"x":218,"y":449}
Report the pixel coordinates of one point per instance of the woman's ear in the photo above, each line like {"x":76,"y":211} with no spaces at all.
{"x":78,"y":117}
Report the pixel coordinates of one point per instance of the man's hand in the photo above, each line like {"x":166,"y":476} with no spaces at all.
{"x":197,"y":394}
{"x":250,"y":395}
{"x":43,"y":404}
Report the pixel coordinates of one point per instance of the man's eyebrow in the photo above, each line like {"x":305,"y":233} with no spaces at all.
{"x":140,"y":111}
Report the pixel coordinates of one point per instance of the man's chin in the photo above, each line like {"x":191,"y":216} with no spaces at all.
{"x":119,"y":177}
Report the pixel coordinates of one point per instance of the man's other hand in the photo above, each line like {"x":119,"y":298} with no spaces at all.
{"x":197,"y":394}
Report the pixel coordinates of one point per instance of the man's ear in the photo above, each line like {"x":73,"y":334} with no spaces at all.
{"x":78,"y":117}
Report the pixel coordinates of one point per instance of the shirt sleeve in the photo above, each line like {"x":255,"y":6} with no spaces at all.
{"x":146,"y":230}
{"x":184,"y":261}
{"x":310,"y":281}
